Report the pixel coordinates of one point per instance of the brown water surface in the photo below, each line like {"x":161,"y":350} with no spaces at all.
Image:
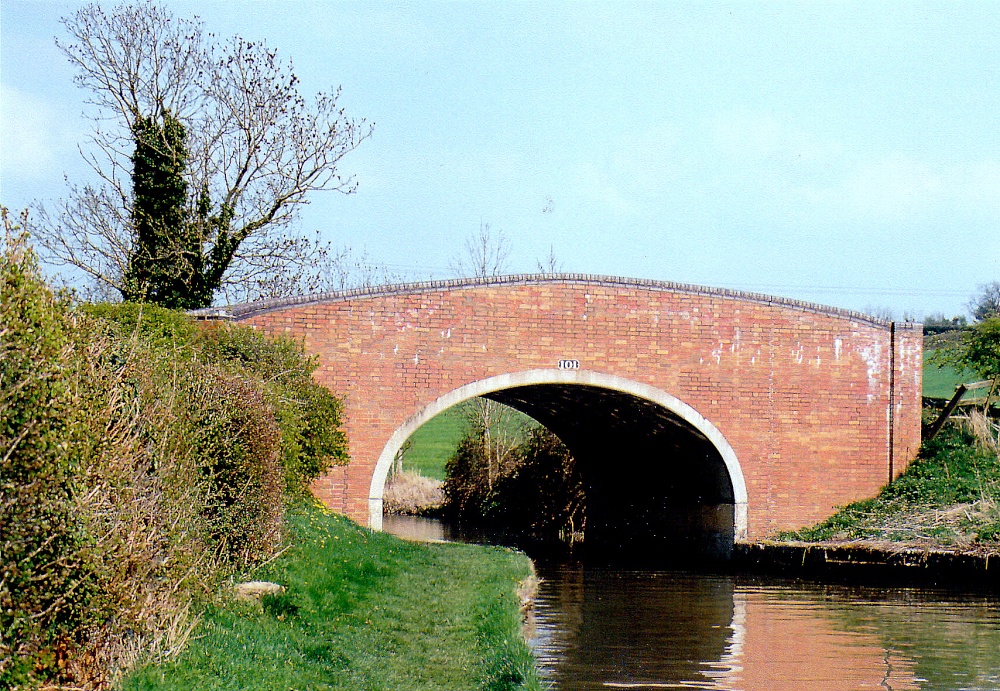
{"x":601,"y":628}
{"x":616,"y":628}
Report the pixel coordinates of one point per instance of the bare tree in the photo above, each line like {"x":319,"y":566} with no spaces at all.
{"x":487,"y":253}
{"x":256,"y":147}
{"x":887,"y":314}
{"x":501,"y":430}
{"x":319,"y":268}
{"x":882,"y":312}
{"x":550,"y":265}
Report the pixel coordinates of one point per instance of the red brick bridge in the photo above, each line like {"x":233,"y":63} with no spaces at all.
{"x":689,"y":406}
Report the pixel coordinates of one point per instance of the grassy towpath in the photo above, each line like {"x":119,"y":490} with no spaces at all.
{"x":362,"y":611}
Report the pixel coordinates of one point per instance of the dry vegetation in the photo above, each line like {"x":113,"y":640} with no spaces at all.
{"x":412,"y":494}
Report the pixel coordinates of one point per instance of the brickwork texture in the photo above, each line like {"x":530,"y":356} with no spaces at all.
{"x":821,"y":406}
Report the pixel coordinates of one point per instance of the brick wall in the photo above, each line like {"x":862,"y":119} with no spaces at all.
{"x":801,"y":392}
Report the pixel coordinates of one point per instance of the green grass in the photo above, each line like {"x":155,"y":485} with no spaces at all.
{"x":941,"y":382}
{"x":436,"y":440}
{"x":949,"y":496}
{"x":363,"y":610}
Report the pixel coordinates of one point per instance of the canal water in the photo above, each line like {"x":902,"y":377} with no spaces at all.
{"x":597,"y":627}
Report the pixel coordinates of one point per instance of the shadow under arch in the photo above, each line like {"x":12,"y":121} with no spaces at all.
{"x":494,"y":387}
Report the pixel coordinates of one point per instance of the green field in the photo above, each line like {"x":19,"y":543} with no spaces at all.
{"x":363,"y":611}
{"x":941,"y":382}
{"x":435,"y":441}
{"x":432,"y":445}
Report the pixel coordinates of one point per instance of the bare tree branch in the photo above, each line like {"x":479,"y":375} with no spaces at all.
{"x":256,"y":146}
{"x":550,"y":265}
{"x":487,"y":253}
{"x":986,"y":304}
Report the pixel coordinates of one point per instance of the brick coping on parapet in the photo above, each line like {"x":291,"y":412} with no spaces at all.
{"x":247,"y":309}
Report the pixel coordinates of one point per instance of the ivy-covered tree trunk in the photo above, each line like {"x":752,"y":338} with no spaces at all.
{"x":166,"y":265}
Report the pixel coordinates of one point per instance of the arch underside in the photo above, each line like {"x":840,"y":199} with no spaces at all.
{"x":650,"y":459}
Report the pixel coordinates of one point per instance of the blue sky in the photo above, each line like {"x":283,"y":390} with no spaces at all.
{"x":845,"y":153}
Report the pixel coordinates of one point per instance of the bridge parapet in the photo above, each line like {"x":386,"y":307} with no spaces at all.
{"x":248,"y":309}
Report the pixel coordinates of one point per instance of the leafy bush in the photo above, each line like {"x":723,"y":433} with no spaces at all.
{"x":141,"y":499}
{"x":243,"y":418}
{"x":544,"y":497}
{"x":310,"y":416}
{"x":981,"y":347}
{"x":977,"y":349}
{"x":235,"y":440}
{"x":540,"y":493}
{"x":466,"y":488}
{"x":46,"y":583}
{"x":142,"y":461}
{"x":156,"y":327}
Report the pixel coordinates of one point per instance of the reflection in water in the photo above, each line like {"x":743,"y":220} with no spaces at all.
{"x":606,"y":628}
{"x":417,"y":528}
{"x":795,"y":644}
{"x":629,"y":628}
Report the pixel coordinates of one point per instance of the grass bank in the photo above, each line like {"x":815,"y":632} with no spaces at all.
{"x":949,"y":498}
{"x":363,"y":610}
{"x":429,"y":448}
{"x":434,"y":442}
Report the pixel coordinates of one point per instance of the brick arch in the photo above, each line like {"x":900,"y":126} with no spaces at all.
{"x":821,"y":406}
{"x":572,"y":377}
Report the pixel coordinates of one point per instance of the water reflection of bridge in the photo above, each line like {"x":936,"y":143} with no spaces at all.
{"x":787,"y":646}
{"x":603,"y":630}
{"x":612,"y":628}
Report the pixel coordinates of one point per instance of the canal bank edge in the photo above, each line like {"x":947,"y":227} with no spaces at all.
{"x":527,"y":593}
{"x":869,"y":564}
